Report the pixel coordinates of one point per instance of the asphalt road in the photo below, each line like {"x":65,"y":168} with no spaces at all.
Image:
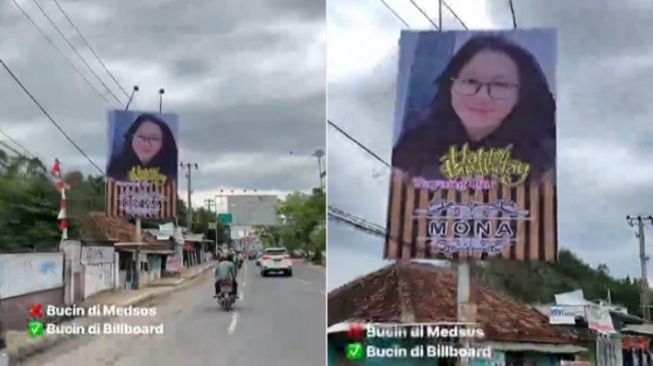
{"x":279,"y":321}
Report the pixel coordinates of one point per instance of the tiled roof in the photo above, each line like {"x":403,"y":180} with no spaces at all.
{"x":97,"y":226}
{"x":422,"y":293}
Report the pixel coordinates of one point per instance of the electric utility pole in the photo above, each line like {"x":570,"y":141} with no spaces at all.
{"x":640,"y":221}
{"x":189,"y":213}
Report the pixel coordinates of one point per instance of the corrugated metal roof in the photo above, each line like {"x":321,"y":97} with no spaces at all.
{"x":639,"y":329}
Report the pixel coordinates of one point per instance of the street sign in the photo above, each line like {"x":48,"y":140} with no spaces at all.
{"x":213,"y":226}
{"x":224,"y":218}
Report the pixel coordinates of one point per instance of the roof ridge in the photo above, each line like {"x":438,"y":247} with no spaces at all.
{"x":356,"y":281}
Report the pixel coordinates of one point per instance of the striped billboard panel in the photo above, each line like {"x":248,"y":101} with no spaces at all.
{"x":412,"y":234}
{"x":141,"y":199}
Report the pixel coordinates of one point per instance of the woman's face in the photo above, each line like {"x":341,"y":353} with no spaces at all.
{"x":480,"y":113}
{"x":147,"y":141}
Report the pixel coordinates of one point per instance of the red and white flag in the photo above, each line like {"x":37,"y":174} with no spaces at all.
{"x":61,"y":187}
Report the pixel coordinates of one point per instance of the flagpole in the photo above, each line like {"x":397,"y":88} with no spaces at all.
{"x":61,"y":187}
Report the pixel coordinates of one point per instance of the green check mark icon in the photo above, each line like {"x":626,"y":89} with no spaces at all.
{"x":355,"y":351}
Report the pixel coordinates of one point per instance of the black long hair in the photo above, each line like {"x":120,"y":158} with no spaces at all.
{"x":165,"y":159}
{"x":530,"y":127}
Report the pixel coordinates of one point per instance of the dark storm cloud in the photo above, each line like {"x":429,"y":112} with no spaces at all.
{"x":262,"y":174}
{"x":603,"y":88}
{"x":243,"y":79}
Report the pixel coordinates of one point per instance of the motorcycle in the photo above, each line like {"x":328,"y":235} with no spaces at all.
{"x":225,"y":297}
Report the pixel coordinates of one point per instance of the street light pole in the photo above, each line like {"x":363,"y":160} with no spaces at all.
{"x":319,"y":154}
{"x":639,"y":221}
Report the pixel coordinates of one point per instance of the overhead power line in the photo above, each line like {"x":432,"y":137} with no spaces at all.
{"x":60,"y":51}
{"x":49,"y":117}
{"x":454,"y":14}
{"x":394,"y":13}
{"x":12,"y":149}
{"x":56,"y":27}
{"x":16,"y":143}
{"x":424,"y":14}
{"x":377,"y":157}
{"x":90,"y":48}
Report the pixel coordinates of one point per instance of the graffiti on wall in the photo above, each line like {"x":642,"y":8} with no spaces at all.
{"x":97,"y":255}
{"x":22,"y":274}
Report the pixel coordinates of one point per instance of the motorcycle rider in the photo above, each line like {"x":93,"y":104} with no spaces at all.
{"x":226,"y":271}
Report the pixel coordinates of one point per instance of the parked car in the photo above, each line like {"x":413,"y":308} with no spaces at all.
{"x":276,"y":260}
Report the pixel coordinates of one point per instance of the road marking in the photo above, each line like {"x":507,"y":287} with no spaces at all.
{"x":322,"y":292}
{"x":234,"y":322}
{"x":302,"y":281}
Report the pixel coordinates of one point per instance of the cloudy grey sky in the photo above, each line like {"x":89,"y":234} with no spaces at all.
{"x":604,"y":118}
{"x":248,"y":84}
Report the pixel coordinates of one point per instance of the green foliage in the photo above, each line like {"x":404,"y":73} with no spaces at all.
{"x":201,"y":219}
{"x":305,"y":222}
{"x":538,"y":282}
{"x":29,"y":204}
{"x":84,"y":194}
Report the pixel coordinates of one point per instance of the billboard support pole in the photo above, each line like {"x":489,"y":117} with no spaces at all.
{"x":440,"y":15}
{"x":463,"y":296}
{"x":139,"y":238}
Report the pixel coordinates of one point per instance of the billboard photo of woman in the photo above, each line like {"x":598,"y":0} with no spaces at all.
{"x":493,"y":93}
{"x":147,"y":150}
{"x":142,"y":164}
{"x":474,"y":155}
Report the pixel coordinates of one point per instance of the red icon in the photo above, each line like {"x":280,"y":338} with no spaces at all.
{"x":355,"y":332}
{"x":35,"y":310}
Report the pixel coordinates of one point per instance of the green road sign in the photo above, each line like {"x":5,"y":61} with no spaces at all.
{"x":224,"y":218}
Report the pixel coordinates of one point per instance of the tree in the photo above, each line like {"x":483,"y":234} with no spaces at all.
{"x":567,"y":274}
{"x":270,"y":236}
{"x":29,"y":204}
{"x":304,"y":215}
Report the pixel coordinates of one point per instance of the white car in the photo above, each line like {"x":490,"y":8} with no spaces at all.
{"x":276,"y":259}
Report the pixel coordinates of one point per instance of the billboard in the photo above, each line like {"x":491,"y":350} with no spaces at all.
{"x":142,"y":164}
{"x":474,"y":153}
{"x":250,"y":210}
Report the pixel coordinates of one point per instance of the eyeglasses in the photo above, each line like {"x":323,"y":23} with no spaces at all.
{"x":496,"y":89}
{"x":149,"y":139}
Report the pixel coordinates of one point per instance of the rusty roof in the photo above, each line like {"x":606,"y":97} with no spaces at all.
{"x":97,"y":226}
{"x":423,"y":293}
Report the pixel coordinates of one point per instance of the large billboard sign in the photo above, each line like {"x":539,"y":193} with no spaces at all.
{"x":142,"y":164}
{"x":251,"y":210}
{"x":474,"y":154}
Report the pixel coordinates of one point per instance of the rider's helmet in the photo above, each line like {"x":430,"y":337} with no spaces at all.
{"x":224,"y":256}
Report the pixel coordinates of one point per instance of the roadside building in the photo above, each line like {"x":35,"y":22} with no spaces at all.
{"x":417,"y":293}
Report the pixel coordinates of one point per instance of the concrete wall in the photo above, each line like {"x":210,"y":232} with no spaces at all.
{"x":14,"y":311}
{"x":99,"y":269}
{"x":73,"y":277}
{"x":32,"y":278}
{"x":22,"y":274}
